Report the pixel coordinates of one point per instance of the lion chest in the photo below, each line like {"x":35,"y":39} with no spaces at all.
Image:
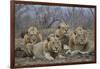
{"x":38,"y":50}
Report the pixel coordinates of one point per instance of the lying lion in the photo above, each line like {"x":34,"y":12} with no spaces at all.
{"x":79,"y":42}
{"x":32,"y":37}
{"x":48,"y":49}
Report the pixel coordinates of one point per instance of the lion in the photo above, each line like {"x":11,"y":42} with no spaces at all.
{"x":63,"y":33}
{"x":33,"y":36}
{"x":79,"y":42}
{"x":48,"y":49}
{"x":64,"y":48}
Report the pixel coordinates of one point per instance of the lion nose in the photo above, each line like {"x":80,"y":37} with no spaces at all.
{"x":56,"y":48}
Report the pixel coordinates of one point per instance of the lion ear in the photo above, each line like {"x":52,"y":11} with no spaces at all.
{"x":57,"y":36}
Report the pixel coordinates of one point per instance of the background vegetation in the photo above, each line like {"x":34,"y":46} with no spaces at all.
{"x":47,"y":18}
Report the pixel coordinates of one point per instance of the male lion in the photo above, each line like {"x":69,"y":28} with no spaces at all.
{"x":48,"y":49}
{"x":79,"y":41}
{"x":63,"y":33}
{"x":32,"y":37}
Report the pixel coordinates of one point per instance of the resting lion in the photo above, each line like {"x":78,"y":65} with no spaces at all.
{"x":62,"y":33}
{"x":33,"y":36}
{"x":48,"y":49}
{"x":61,"y":30}
{"x":79,"y":41}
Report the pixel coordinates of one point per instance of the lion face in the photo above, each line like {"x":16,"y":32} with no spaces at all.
{"x":54,"y":45}
{"x":33,"y":39}
{"x":62,"y":30}
{"x":34,"y":35}
{"x":79,"y":30}
{"x":81,"y":35}
{"x":81,"y":39}
{"x":64,"y":27}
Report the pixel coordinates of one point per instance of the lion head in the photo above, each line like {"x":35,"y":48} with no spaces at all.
{"x":54,"y":45}
{"x":34,"y":35}
{"x":62,"y":29}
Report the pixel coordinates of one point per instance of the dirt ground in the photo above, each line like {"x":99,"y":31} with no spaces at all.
{"x":19,"y":61}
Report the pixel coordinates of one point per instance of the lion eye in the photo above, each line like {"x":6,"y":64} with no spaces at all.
{"x":57,"y":36}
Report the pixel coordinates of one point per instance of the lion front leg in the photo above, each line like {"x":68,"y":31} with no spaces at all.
{"x":48,"y":56}
{"x":61,"y":56}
